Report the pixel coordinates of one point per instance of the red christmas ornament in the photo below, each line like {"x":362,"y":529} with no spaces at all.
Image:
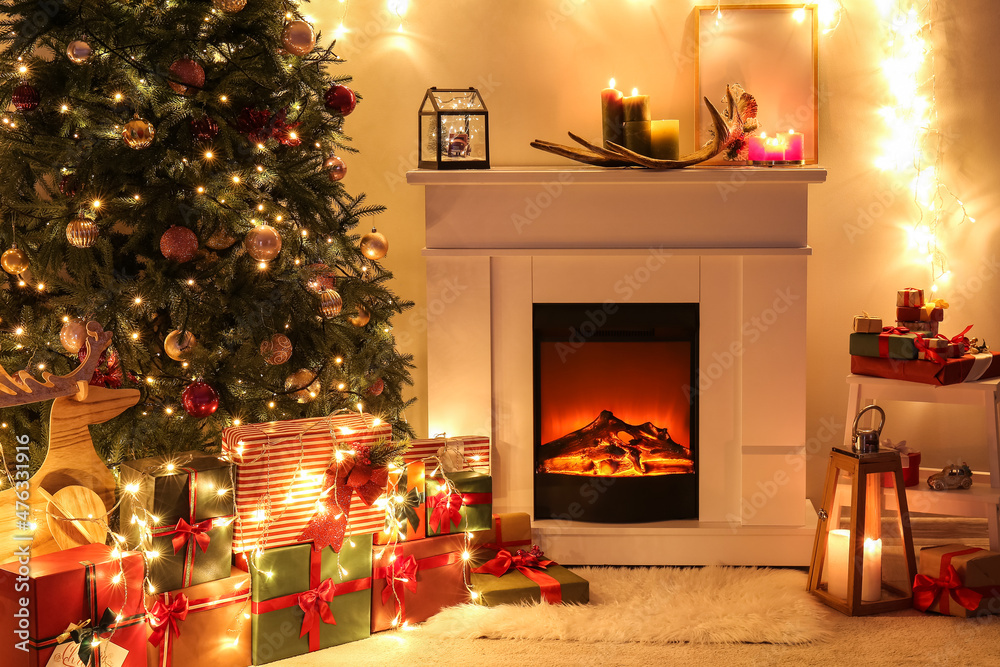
{"x":204,"y":128}
{"x":340,"y":99}
{"x":255,"y":123}
{"x":67,"y":186}
{"x":320,"y":277}
{"x":187,"y":76}
{"x":337,"y":167}
{"x":199,"y":399}
{"x":25,"y":97}
{"x":179,"y":244}
{"x":376,"y":387}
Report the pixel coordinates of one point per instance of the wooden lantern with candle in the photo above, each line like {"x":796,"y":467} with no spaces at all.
{"x":868,"y":567}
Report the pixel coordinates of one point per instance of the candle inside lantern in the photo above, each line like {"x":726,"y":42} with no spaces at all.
{"x":666,"y":139}
{"x":638,"y":127}
{"x":794,"y":145}
{"x":612,"y":113}
{"x":871,"y":571}
{"x":838,"y":550}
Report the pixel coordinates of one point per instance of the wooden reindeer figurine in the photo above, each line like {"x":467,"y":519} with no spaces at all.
{"x":71,"y":461}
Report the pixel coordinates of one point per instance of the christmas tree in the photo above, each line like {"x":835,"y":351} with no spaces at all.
{"x":174,"y":171}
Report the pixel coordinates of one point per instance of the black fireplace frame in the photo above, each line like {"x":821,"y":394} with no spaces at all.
{"x":619,"y":500}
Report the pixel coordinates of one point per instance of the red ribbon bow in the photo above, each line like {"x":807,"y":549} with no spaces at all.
{"x":446,"y":508}
{"x":921,"y":344}
{"x":523,"y":561}
{"x":401,"y":573}
{"x":184,"y":531}
{"x":315,"y":604}
{"x":960,"y":339}
{"x":164,"y":617}
{"x":927,"y":589}
{"x":899,"y":331}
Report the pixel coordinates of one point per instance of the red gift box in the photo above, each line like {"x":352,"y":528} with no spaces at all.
{"x":281,"y":471}
{"x":63,"y":589}
{"x":910,"y":296}
{"x":415,"y":580}
{"x":911,"y":470}
{"x":920,"y":314}
{"x":968,"y":368}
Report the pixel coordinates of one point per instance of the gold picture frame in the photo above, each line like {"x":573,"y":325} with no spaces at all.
{"x":773,"y":55}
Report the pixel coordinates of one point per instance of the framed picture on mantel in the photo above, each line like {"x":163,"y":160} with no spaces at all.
{"x":771,"y":51}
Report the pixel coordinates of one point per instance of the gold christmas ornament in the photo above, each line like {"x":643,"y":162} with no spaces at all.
{"x":179,"y":344}
{"x":337,"y":168}
{"x":78,"y":51}
{"x":362,"y":318}
{"x":81,"y":232}
{"x":330,"y":303}
{"x":73,"y":335}
{"x":14,"y":261}
{"x":277,"y":349}
{"x":138,"y":133}
{"x":302,"y":385}
{"x":229,"y":6}
{"x":263,"y":243}
{"x":374,"y":245}
{"x":299,"y":38}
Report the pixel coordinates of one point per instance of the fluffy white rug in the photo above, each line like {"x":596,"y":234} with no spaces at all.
{"x":656,"y":605}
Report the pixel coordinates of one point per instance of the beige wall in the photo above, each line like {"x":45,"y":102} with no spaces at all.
{"x":541,"y":64}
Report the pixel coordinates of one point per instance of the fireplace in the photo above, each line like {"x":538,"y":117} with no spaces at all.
{"x":729,"y":242}
{"x":615,"y":415}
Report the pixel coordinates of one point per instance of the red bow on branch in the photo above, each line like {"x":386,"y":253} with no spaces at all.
{"x":523,"y":561}
{"x":445,"y":508}
{"x":928,"y":589}
{"x":329,"y":524}
{"x":185,"y":531}
{"x":163,"y":617}
{"x":315,"y":604}
{"x":400,"y":574}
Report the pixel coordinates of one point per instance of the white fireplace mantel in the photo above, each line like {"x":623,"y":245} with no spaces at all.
{"x":732,"y":239}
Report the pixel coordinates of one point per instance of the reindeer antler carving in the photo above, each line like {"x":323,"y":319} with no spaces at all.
{"x":22,"y":388}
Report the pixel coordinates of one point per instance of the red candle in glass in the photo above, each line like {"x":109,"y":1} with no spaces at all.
{"x":612,"y":114}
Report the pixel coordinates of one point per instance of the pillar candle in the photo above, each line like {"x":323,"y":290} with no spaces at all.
{"x":757,"y":149}
{"x":636,"y":107}
{"x":838,"y":550}
{"x":612,"y":113}
{"x":639,"y":137}
{"x":794,"y":143}
{"x":871,"y":571}
{"x":774,"y":148}
{"x":666,"y":139}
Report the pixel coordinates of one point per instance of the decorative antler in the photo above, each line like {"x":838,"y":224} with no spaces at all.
{"x":613,"y":155}
{"x":22,"y":388}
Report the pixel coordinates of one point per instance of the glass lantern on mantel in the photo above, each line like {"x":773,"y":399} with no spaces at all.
{"x":863,"y":561}
{"x":454,"y":130}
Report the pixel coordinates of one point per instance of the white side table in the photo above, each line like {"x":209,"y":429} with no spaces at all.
{"x":979,"y":501}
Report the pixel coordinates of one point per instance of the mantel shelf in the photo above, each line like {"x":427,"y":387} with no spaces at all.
{"x":620,"y":176}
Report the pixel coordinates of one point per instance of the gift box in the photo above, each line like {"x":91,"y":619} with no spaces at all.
{"x":511,"y":530}
{"x":412,"y":581}
{"x":910,"y":296}
{"x":967,"y":368}
{"x":867,"y":324}
{"x":283,"y":468}
{"x":957,"y":580}
{"x":467,"y":452}
{"x":406,"y":509}
{"x":72,"y":598}
{"x":179,"y":507}
{"x":926,"y":313}
{"x":201,"y":624}
{"x":305,"y":599}
{"x":920,"y":327}
{"x":526,"y":576}
{"x":459,"y":502}
{"x":910,"y":462}
{"x":885,"y":344}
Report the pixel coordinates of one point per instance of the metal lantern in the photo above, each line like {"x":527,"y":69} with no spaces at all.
{"x":867,"y":566}
{"x":454,"y":130}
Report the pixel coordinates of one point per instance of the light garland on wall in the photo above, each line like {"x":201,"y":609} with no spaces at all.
{"x":914,"y":147}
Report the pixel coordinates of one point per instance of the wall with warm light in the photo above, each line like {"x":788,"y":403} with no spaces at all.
{"x":541,"y":64}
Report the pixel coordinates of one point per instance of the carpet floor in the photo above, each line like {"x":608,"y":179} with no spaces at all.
{"x":806,"y":632}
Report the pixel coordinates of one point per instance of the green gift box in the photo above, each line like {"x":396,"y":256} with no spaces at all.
{"x":885,"y":345}
{"x":179,"y":509}
{"x":467,"y":506}
{"x":335,"y":589}
{"x":523,"y":578}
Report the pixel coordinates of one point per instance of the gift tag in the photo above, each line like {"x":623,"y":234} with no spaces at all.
{"x":452,"y":456}
{"x":65,"y":655}
{"x":112,"y":655}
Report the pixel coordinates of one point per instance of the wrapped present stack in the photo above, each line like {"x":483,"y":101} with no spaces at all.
{"x":914,"y":350}
{"x":509,"y":569}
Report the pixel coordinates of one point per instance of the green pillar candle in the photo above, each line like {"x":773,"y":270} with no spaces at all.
{"x":638,"y":137}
